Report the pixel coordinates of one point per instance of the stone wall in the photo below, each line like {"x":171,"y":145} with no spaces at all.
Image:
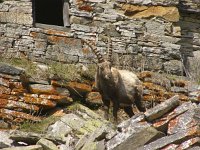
{"x":146,"y":35}
{"x":190,"y":5}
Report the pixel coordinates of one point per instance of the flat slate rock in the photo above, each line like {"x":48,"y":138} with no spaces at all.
{"x":4,"y":139}
{"x":47,"y":145}
{"x":10,"y":70}
{"x":134,"y":132}
{"x":138,"y":138}
{"x":161,"y":109}
{"x":184,"y":121}
{"x":27,"y":137}
{"x":32,"y":147}
{"x":179,"y":137}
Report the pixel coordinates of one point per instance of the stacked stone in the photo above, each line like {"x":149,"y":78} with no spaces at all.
{"x":131,"y":37}
{"x":12,"y":110}
{"x":190,"y":6}
{"x":159,"y":87}
{"x":145,"y":34}
{"x":16,"y":22}
{"x":80,"y":128}
{"x":20,"y":100}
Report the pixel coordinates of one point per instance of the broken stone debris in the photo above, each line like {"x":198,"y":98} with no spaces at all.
{"x":173,"y":123}
{"x":85,"y":130}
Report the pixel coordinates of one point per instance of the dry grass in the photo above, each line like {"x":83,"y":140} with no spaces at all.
{"x":25,"y":64}
{"x":39,"y":127}
{"x":72,"y":72}
{"x":68,"y":72}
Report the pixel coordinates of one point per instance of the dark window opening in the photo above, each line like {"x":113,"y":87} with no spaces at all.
{"x":49,"y":12}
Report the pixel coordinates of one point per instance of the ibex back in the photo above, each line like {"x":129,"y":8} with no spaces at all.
{"x":121,"y":87}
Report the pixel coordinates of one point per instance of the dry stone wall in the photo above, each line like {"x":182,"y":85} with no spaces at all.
{"x":190,"y":5}
{"x":146,"y":34}
{"x":20,"y":100}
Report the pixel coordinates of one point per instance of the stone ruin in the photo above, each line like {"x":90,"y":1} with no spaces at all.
{"x":146,"y":34}
{"x":161,"y":35}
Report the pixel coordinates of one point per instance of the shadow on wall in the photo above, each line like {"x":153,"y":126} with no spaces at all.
{"x":190,"y":43}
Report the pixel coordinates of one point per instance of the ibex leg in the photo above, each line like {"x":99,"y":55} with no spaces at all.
{"x":106,"y":103}
{"x":129,"y":111}
{"x":139,"y":104}
{"x":115,"y":110}
{"x":139,"y":99}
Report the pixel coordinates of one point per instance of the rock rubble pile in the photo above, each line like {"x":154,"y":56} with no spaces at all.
{"x":170,"y":125}
{"x":171,"y":121}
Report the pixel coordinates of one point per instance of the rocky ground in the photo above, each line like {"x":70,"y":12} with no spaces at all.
{"x":58,"y":114}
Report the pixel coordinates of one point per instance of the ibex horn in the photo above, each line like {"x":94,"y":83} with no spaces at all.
{"x":96,"y":52}
{"x":109,"y":51}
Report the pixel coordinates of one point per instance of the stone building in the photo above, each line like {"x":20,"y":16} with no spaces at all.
{"x":156,"y":35}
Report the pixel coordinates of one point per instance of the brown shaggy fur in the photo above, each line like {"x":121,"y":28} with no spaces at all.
{"x":121,"y":87}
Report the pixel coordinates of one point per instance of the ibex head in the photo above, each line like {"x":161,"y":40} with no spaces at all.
{"x":104,"y":66}
{"x":104,"y":70}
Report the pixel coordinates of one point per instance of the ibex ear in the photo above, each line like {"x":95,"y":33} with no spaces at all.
{"x":109,"y":49}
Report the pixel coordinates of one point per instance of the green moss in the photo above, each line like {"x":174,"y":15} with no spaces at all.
{"x":171,"y":76}
{"x":70,"y":72}
{"x":38,"y":127}
{"x":67,"y":72}
{"x":73,"y":108}
{"x":28,"y":66}
{"x":90,"y":146}
{"x":90,"y":126}
{"x":78,"y":107}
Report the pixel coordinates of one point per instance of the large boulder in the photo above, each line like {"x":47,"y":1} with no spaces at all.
{"x":10,"y":70}
{"x":31,"y":147}
{"x":47,"y":145}
{"x":5,"y":141}
{"x":80,"y":128}
{"x":162,"y":109}
{"x":132,"y":134}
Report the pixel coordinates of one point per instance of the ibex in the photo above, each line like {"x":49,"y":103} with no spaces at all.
{"x":121,"y":87}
